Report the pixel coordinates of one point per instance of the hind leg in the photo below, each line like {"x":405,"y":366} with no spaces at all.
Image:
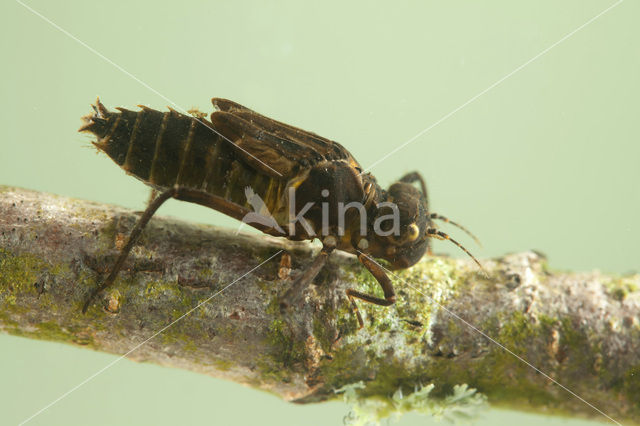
{"x":133,"y":237}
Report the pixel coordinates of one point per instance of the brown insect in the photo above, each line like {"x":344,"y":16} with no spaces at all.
{"x":238,"y":154}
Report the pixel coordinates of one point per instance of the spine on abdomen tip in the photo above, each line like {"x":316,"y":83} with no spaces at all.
{"x":168,"y":148}
{"x":161,"y":148}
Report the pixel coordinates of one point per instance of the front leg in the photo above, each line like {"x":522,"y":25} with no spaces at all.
{"x":416,"y":177}
{"x":294,"y":295}
{"x":383,"y":279}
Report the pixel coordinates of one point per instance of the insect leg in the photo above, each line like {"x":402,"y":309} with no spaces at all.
{"x":294,"y":295}
{"x":133,"y":237}
{"x":153,"y":194}
{"x":413,"y":177}
{"x":383,"y":279}
{"x":284,"y":270}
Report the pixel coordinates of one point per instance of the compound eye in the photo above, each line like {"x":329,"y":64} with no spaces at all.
{"x":412,"y":232}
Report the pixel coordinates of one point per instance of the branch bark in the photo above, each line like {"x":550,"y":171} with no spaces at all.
{"x":581,"y":329}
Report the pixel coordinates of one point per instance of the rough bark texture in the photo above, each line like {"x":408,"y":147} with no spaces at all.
{"x":582,"y":329}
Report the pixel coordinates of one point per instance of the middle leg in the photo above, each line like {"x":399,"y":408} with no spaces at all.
{"x":293,"y":296}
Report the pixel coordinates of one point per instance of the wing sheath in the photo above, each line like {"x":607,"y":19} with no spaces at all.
{"x":282,"y":147}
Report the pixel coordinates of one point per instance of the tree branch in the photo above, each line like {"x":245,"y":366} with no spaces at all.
{"x":581,"y":329}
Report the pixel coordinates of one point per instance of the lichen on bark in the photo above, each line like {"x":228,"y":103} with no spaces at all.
{"x":580,"y":329}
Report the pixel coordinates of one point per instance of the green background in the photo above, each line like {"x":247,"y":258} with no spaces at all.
{"x":546,"y":160}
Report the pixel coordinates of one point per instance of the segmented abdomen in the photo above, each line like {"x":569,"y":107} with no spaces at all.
{"x":167,"y":148}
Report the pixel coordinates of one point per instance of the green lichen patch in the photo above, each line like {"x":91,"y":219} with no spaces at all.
{"x":619,"y":288}
{"x":463,"y":403}
{"x":186,"y":342}
{"x":499,"y":374}
{"x":285,"y":350}
{"x":321,"y":332}
{"x":504,"y":377}
{"x":52,"y":331}
{"x":185,"y":330}
{"x":160,"y":289}
{"x":394,"y":356}
{"x":381,"y":369}
{"x":222,"y":364}
{"x":630,"y":386}
{"x":419,"y":291}
{"x":19,"y":274}
{"x":424,"y":289}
